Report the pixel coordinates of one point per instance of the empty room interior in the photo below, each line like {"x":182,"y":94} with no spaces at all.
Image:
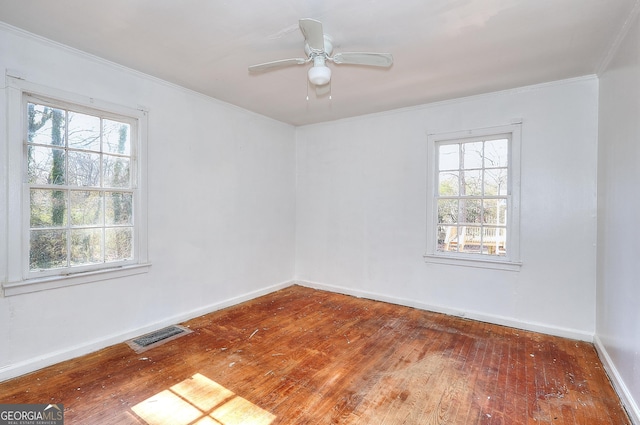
{"x":291,"y":212}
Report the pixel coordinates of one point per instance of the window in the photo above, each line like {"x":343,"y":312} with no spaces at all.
{"x":82,"y":203}
{"x":81,"y":194}
{"x":474,"y":188}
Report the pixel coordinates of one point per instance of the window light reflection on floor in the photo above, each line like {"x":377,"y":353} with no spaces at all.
{"x":200,"y":401}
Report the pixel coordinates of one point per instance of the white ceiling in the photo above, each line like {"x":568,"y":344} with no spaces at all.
{"x":442,"y":49}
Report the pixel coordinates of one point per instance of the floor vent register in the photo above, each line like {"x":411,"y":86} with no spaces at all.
{"x":156,"y":338}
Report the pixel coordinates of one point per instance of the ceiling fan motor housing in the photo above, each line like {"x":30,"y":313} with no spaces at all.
{"x":328,"y":47}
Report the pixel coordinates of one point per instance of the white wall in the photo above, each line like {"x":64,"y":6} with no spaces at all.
{"x":221,"y":212}
{"x":618,"y":266}
{"x":361,"y":209}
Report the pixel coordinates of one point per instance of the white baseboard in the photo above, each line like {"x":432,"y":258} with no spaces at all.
{"x":498,"y":320}
{"x":618,"y":383}
{"x":36,"y":363}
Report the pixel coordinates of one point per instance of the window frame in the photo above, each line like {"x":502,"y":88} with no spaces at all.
{"x":511,"y":261}
{"x":18,"y":279}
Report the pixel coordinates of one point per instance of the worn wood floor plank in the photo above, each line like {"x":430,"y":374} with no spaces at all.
{"x":303,"y":356}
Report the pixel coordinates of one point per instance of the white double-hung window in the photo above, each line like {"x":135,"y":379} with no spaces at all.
{"x":76,"y":209}
{"x":79,"y":166}
{"x":473,"y":192}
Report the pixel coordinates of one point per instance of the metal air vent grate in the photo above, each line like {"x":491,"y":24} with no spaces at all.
{"x":153,"y":339}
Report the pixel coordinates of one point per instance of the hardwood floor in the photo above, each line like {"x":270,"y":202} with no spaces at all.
{"x":302,"y":356}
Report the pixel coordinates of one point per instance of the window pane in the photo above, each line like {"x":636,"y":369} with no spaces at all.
{"x":496,"y":153}
{"x":471,"y":184}
{"x":116,"y":137}
{"x":470,"y":210}
{"x":447,"y":238}
{"x":48,"y":249}
{"x":495,"y":211}
{"x":46,"y":126}
{"x":449,"y":183}
{"x":494,"y":241}
{"x":501,"y":233}
{"x":84,"y":131}
{"x":495,"y":182}
{"x":118,"y":208}
{"x":86,"y":246}
{"x":118,"y":243}
{"x":502,"y":212}
{"x":48,"y":208}
{"x":470,"y":239}
{"x":472,"y":155}
{"x":116,"y":171}
{"x":449,"y":157}
{"x":447,"y":211}
{"x":45,"y":165}
{"x":86,"y":208}
{"x":490,"y":211}
{"x":84,"y":169}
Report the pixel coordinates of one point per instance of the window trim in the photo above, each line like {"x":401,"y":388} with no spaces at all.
{"x":17,"y":279}
{"x":511,"y":261}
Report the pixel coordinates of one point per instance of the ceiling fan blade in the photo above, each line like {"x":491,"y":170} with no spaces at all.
{"x":361,"y":58}
{"x":277,"y":64}
{"x":313,"y":34}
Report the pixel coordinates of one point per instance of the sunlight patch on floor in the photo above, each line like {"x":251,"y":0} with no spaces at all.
{"x":239,"y":411}
{"x":166,"y":408}
{"x":200,"y":401}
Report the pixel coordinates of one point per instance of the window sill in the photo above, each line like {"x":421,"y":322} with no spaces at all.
{"x":473,"y":262}
{"x":54,"y":282}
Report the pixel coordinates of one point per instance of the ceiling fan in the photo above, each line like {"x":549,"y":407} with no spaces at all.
{"x":318,"y":48}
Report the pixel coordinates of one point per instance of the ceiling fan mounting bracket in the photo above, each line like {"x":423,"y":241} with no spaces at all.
{"x":328,"y":48}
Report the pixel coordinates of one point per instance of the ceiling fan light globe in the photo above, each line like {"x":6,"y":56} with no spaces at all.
{"x":319,"y":75}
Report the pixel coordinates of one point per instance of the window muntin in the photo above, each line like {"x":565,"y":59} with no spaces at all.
{"x":81,"y":188}
{"x":471,"y":197}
